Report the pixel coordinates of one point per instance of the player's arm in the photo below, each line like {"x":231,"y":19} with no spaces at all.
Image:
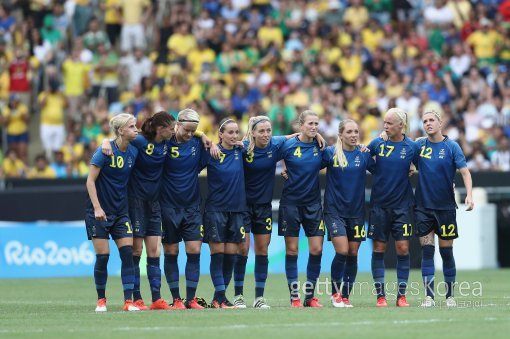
{"x":106,"y":147}
{"x":468,"y":183}
{"x":94,"y":171}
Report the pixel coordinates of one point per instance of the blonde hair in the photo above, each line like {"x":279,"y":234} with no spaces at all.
{"x":304,"y":114}
{"x":436,"y":113}
{"x":401,"y":115}
{"x":119,"y":121}
{"x":188,"y":115}
{"x":339,"y":152}
{"x":252,"y":123}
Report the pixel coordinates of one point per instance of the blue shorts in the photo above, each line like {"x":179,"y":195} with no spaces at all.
{"x":258,"y":219}
{"x":353,"y":228}
{"x":145,"y":216}
{"x":117,"y":226}
{"x":290,"y":218}
{"x":397,"y":221}
{"x":182,"y":224}
{"x":442,"y":222}
{"x":224,"y":227}
{"x":17,"y":138}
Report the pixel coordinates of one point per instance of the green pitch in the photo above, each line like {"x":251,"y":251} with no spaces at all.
{"x":64,"y":308}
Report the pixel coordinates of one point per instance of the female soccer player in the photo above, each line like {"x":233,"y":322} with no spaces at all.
{"x":438,"y":160}
{"x":144,"y":208}
{"x":107,"y":208}
{"x":301,"y":205}
{"x":344,"y":202}
{"x":391,"y":202}
{"x":180,"y":206}
{"x":224,"y":209}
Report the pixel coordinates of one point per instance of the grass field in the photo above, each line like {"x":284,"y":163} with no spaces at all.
{"x":64,"y":308}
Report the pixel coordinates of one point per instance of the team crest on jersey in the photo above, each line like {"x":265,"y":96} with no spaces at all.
{"x":403,"y":153}
{"x":371,"y":230}
{"x":442,"y":153}
{"x":137,"y":226}
{"x":236,"y":155}
{"x":165,"y":149}
{"x":270,"y":154}
{"x":315,"y":151}
{"x":334,"y":228}
{"x":357,"y":161}
{"x":193,"y":151}
{"x":130,"y":161}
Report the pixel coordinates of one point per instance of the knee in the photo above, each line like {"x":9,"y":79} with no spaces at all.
{"x":261,"y":250}
{"x":402,"y":250}
{"x":379,"y":247}
{"x":352,"y":252}
{"x":291,"y":251}
{"x":243,"y":250}
{"x":315,"y":250}
{"x":137,"y":252}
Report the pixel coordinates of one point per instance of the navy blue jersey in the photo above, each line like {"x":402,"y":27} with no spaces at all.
{"x":146,"y":177}
{"x":345,"y":186}
{"x":391,"y":187}
{"x":259,"y":168}
{"x":112,"y":181}
{"x":437,"y":163}
{"x":180,"y":187}
{"x":303,"y":162}
{"x":225,"y":180}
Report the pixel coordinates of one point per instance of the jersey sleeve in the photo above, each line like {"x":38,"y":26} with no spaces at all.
{"x":139,"y":142}
{"x":370,"y":162}
{"x":98,"y":159}
{"x":458,"y":156}
{"x":282,"y":152}
{"x":372,"y":146}
{"x":278,"y":141}
{"x":327,"y":155}
{"x":205,"y":157}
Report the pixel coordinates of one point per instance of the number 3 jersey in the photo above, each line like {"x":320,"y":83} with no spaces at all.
{"x":112,"y":182}
{"x":437,"y":163}
{"x":391,"y":187}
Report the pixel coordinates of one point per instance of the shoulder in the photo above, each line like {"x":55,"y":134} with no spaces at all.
{"x":139,"y":141}
{"x":453,"y":145}
{"x":132,"y":149}
{"x":278,"y":140}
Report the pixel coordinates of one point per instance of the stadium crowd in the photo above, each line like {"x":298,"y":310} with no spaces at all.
{"x":67,"y":67}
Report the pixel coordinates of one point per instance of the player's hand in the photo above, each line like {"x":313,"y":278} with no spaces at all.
{"x":215,"y":151}
{"x":383,"y":136}
{"x":469,"y":203}
{"x":99,"y":214}
{"x":106,"y":147}
{"x":240,"y":144}
{"x":206,"y":141}
{"x":284,"y":174}
{"x":364,"y":148}
{"x":322,"y":142}
{"x":412,"y":170}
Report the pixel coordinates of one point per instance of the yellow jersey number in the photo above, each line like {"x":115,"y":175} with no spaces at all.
{"x":359,"y":231}
{"x":202,"y":231}
{"x":129,"y":229}
{"x":426,"y":152}
{"x":321,"y":226}
{"x":388,"y":152}
{"x":222,"y":157}
{"x":297,"y":152}
{"x":117,"y":162}
{"x":249,"y":157}
{"x":408,"y":230}
{"x":269,"y":225}
{"x":337,"y":164}
{"x":174,"y":152}
{"x":243,"y":232}
{"x":150,"y":149}
{"x":451,"y":230}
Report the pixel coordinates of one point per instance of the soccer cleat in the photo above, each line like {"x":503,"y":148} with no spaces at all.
{"x":129,"y":306}
{"x":193,"y":304}
{"x":239,"y":301}
{"x":160,"y":304}
{"x":428,"y":302}
{"x":381,"y":302}
{"x":450,"y":302}
{"x":402,"y":301}
{"x":296,"y":303}
{"x":141,"y":305}
{"x":226,"y":304}
{"x":347,"y":303}
{"x":260,"y":303}
{"x":336,"y":300}
{"x":101,"y":305}
{"x":178,"y":304}
{"x":314,"y":302}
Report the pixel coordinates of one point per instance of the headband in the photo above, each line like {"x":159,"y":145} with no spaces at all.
{"x":255,"y":124}
{"x":187,"y":120}
{"x":435,"y":113}
{"x":225,"y":122}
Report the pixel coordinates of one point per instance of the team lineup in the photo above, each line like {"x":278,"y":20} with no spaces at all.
{"x":144,"y":189}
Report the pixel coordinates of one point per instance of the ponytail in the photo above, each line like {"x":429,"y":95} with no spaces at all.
{"x":339,"y":151}
{"x":150,"y":125}
{"x":252,"y":123}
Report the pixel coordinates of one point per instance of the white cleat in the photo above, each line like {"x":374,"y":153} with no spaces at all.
{"x":239,"y":301}
{"x":260,"y":303}
{"x":337,"y":301}
{"x":450,"y":302}
{"x":101,"y":305}
{"x":428,"y":302}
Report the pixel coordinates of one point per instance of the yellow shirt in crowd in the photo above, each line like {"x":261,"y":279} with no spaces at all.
{"x":52,"y":113}
{"x":17,"y":124}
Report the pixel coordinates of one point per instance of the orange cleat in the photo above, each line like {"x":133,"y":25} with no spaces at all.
{"x":141,"y":305}
{"x":193,"y":304}
{"x":337,"y":301}
{"x":381,"y":302}
{"x":314,"y":302}
{"x":101,"y":305}
{"x":346,"y":302}
{"x":129,"y":306}
{"x":226,"y":304}
{"x":160,"y":304}
{"x":296,"y":303}
{"x":178,"y":304}
{"x":402,"y":301}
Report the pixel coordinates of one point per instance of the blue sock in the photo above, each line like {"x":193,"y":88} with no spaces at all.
{"x":261,"y":267}
{"x":449,"y":269}
{"x":403,"y":266}
{"x":192,"y":274}
{"x":154,"y":276}
{"x":378,"y":273}
{"x":292,"y":275}
{"x":216,"y":269}
{"x":228,"y":268}
{"x":313,"y":270}
{"x":239,"y":272}
{"x":172,"y":275}
{"x":101,"y":274}
{"x":136,"y":290}
{"x":351,"y":270}
{"x":428,"y":269}
{"x":337,"y":272}
{"x":127,"y":271}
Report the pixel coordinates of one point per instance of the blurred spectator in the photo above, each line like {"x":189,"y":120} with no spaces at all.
{"x":134,"y":15}
{"x":105,"y":79}
{"x":134,"y":67}
{"x":15,"y":118}
{"x":52,"y":103}
{"x":500,"y":159}
{"x":58,"y":165}
{"x":112,"y":19}
{"x":12,"y":166}
{"x":41,"y":170}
